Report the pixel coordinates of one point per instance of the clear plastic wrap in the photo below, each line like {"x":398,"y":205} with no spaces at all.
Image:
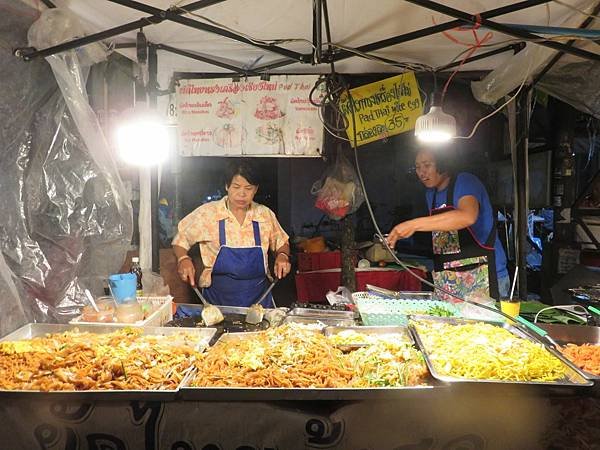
{"x":570,"y":82}
{"x":66,"y":221}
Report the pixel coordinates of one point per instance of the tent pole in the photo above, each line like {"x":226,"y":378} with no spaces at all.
{"x":407,"y":37}
{"x":522,"y":107}
{"x":480,"y":20}
{"x":559,"y":55}
{"x":28,"y":53}
{"x":197,"y":57}
{"x":152,"y":104}
{"x":175,"y":16}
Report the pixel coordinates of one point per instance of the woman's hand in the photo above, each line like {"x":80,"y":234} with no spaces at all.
{"x":282,"y":265}
{"x":401,"y":231}
{"x":186,"y":271}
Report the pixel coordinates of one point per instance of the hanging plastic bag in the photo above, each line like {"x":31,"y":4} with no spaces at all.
{"x":338,"y":192}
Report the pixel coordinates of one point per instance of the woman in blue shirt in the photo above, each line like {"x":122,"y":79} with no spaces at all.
{"x":468,"y":257}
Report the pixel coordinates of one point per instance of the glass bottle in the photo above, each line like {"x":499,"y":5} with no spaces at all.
{"x":137,"y":270}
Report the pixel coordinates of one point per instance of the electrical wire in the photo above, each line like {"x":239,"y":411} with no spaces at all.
{"x":480,"y":121}
{"x":266,"y":42}
{"x":382,"y":238}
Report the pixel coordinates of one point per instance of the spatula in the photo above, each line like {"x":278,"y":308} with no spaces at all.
{"x":211,"y":315}
{"x":256,"y":312}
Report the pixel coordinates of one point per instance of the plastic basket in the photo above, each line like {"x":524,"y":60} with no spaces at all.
{"x":377,"y":311}
{"x":162,"y":313}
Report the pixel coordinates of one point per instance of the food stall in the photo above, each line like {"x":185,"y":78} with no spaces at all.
{"x":313,"y":378}
{"x":387,"y":370}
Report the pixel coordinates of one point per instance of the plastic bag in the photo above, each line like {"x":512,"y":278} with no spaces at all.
{"x":341,"y":296}
{"x":338,"y":192}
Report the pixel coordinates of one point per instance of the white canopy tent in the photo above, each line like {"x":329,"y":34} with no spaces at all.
{"x":289,"y":23}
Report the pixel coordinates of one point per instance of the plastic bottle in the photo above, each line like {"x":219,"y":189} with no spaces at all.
{"x":137,"y":270}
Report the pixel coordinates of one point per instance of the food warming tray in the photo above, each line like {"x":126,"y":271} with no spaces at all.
{"x":32,"y":330}
{"x":188,"y":392}
{"x":575,"y":377}
{"x":401,"y":331}
{"x":574,"y":334}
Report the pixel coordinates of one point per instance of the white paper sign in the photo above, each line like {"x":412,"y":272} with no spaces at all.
{"x":249,"y":117}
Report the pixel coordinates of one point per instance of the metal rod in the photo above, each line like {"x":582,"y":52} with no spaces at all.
{"x":175,"y":16}
{"x":521,"y":184}
{"x":558,"y":31}
{"x":277,"y":64}
{"x":436,"y":29}
{"x":587,"y":231}
{"x":317,"y":30}
{"x":197,"y":57}
{"x":559,"y":55}
{"x":480,"y":20}
{"x":516,"y":48}
{"x":29,"y":53}
{"x":152,"y":103}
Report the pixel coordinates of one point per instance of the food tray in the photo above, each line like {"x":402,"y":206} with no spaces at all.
{"x":575,"y":377}
{"x":574,"y":334}
{"x":324,"y":321}
{"x":378,"y":292}
{"x":32,"y":330}
{"x":188,"y":392}
{"x":323,"y":313}
{"x":378,"y":311}
{"x":158,"y":318}
{"x":401,"y":331}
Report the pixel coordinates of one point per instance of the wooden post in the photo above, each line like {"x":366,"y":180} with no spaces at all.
{"x":348,"y":259}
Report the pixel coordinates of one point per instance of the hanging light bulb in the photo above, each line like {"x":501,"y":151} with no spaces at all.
{"x":142,"y":138}
{"x":436,"y":126}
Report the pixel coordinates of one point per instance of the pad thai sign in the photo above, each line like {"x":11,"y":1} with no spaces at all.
{"x":251,"y":117}
{"x":382,"y":109}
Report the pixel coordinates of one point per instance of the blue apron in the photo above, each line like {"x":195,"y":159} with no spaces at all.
{"x":238,"y":276}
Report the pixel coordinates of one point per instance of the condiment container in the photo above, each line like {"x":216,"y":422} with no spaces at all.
{"x":129,"y":312}
{"x":106,"y":305}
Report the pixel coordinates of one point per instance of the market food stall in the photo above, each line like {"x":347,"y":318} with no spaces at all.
{"x":386,"y":370}
{"x":306,"y":381}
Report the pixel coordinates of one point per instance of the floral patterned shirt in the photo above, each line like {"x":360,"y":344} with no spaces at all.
{"x":202,"y":226}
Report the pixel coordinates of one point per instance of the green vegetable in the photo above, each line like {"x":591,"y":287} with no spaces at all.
{"x":439,"y":311}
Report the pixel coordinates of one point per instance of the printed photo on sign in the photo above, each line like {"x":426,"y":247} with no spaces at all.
{"x":250,"y":117}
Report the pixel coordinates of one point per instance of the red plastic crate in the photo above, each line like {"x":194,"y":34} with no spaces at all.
{"x":311,"y":287}
{"x":308,"y":262}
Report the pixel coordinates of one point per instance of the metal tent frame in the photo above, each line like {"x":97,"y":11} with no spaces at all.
{"x":330,"y":55}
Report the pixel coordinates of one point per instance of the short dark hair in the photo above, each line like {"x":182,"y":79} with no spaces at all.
{"x":445,"y":159}
{"x":243,"y":169}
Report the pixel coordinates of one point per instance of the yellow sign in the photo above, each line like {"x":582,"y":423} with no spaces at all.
{"x":382,"y":109}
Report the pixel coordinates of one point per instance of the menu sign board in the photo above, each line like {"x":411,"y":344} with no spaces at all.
{"x":382,"y":109}
{"x":221,"y":117}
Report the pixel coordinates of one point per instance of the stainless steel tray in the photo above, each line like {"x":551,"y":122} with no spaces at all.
{"x":309,"y":394}
{"x":32,"y":330}
{"x":325,"y":322}
{"x":402,"y":333}
{"x":574,"y":334}
{"x":575,"y":377}
{"x":402,"y":295}
{"x":188,"y":392}
{"x":236,"y":337}
{"x":323,"y":313}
